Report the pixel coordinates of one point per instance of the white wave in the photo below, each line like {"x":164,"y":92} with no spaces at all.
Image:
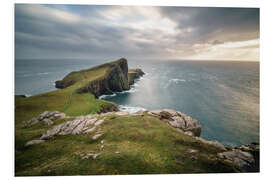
{"x":146,"y":73}
{"x":141,"y":78}
{"x":43,"y":73}
{"x":108,"y":95}
{"x":130,"y":109}
{"x":131,"y":90}
{"x":175,"y":80}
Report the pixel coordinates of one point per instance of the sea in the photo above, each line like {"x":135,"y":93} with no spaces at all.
{"x":222,"y":95}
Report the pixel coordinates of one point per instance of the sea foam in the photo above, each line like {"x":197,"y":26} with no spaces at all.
{"x":130,"y":109}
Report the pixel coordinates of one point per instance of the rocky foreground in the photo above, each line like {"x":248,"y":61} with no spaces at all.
{"x":243,"y":157}
{"x":71,"y":132}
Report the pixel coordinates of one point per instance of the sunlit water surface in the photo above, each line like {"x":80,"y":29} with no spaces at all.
{"x":222,"y":96}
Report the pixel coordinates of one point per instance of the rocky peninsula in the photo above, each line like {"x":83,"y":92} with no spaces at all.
{"x":71,"y":132}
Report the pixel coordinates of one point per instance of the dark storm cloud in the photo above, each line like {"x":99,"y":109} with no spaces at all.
{"x":62,"y":37}
{"x":61,"y":31}
{"x":228,"y":24}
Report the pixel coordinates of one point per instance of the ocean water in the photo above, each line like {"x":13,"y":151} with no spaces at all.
{"x":222,"y":96}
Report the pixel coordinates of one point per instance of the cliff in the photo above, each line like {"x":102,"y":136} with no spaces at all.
{"x":71,"y":132}
{"x":134,"y":74}
{"x":117,"y":78}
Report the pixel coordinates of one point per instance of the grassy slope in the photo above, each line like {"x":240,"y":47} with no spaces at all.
{"x":146,"y":145}
{"x":79,"y":104}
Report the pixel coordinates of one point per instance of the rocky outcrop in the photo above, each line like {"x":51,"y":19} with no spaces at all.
{"x":116,"y":79}
{"x":134,"y":74}
{"x":216,"y":144}
{"x":80,"y":125}
{"x":245,"y":157}
{"x":37,"y":141}
{"x":178,"y":120}
{"x":110,"y":108}
{"x":47,"y":118}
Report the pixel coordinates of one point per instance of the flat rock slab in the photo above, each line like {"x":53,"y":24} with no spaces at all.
{"x":79,"y":125}
{"x":37,"y":141}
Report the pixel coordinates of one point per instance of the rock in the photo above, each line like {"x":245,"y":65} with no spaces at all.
{"x":168,"y":112}
{"x":243,"y":160}
{"x":134,"y":74}
{"x":155,"y":113}
{"x":189,"y":133}
{"x":86,"y":156}
{"x":101,"y":147}
{"x":192,"y":154}
{"x":212,"y":143}
{"x":99,"y":122}
{"x":80,"y":125}
{"x":117,"y":152}
{"x":60,"y":115}
{"x":90,"y":130}
{"x":47,"y":118}
{"x":140,"y":112}
{"x":107,"y":113}
{"x":47,"y":121}
{"x":192,"y":151}
{"x":178,"y":120}
{"x":32,"y":142}
{"x":121,"y":113}
{"x":96,"y":136}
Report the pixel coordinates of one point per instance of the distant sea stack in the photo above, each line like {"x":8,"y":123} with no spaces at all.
{"x":113,"y":77}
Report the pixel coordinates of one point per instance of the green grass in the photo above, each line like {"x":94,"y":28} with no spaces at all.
{"x":146,"y":144}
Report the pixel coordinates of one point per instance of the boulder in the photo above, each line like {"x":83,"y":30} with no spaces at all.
{"x":32,"y":142}
{"x":244,"y":160}
{"x":178,"y":120}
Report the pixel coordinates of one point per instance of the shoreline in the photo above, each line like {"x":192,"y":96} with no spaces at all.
{"x":83,"y":113}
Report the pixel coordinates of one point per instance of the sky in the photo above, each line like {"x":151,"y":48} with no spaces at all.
{"x":133,"y":32}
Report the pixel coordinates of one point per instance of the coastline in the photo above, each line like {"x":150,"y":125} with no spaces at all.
{"x":118,"y":81}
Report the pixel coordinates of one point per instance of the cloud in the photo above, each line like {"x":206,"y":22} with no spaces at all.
{"x":81,"y":31}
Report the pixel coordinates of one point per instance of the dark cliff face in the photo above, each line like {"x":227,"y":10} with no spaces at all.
{"x":117,"y":78}
{"x":134,"y":74}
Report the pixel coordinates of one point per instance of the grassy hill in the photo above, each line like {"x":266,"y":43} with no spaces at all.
{"x":130,"y":144}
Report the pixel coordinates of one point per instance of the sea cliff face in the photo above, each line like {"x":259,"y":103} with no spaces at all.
{"x":73,"y":133}
{"x":116,"y":79}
